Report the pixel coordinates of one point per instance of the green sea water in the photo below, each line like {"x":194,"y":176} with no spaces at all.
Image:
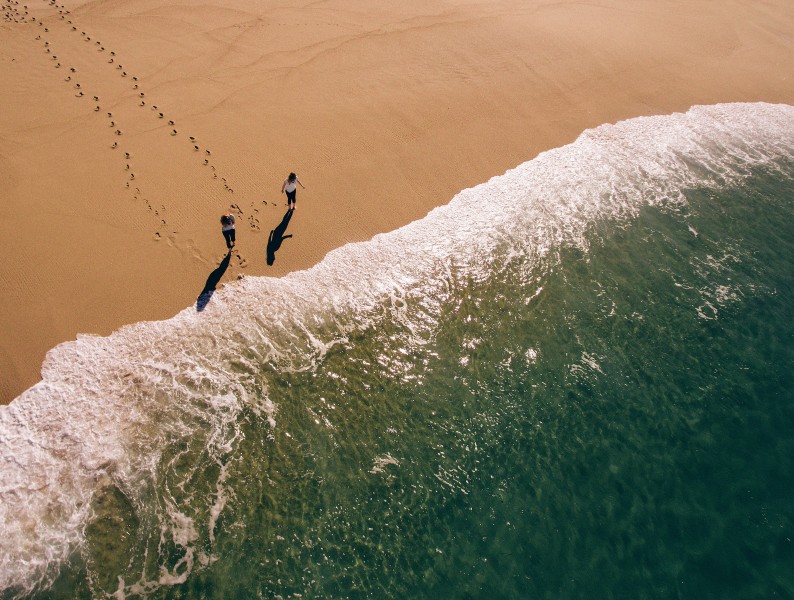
{"x":615,"y":423}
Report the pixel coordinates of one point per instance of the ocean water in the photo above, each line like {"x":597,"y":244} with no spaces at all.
{"x":574,"y":380}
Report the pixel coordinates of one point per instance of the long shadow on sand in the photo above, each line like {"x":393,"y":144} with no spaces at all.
{"x":212,"y":283}
{"x":276,"y":237}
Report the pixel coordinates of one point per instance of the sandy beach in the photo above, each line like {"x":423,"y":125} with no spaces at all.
{"x":127,"y":129}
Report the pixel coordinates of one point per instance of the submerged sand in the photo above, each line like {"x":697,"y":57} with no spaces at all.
{"x":384,"y":110}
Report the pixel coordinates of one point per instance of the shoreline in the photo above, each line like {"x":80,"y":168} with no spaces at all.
{"x":384,"y":116}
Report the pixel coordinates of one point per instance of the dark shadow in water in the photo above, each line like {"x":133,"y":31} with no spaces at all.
{"x":212,"y":282}
{"x":277,"y":236}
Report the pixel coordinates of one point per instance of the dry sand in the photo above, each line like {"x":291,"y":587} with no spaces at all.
{"x":384,"y":109}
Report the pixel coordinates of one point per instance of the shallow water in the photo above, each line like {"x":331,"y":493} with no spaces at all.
{"x":582,"y":391}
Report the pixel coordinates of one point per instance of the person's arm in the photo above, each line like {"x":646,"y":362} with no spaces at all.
{"x":299,"y":181}
{"x":283,"y":185}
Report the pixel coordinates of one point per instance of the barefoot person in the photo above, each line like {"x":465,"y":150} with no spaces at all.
{"x":289,"y":187}
{"x":227,"y":229}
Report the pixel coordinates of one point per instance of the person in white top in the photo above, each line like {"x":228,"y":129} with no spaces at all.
{"x":289,"y":187}
{"x":227,"y":228}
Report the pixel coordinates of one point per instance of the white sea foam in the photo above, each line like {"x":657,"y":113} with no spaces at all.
{"x":108,"y":406}
{"x":381,"y":462}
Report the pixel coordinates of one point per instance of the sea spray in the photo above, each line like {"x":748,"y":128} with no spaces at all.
{"x":143,"y":426}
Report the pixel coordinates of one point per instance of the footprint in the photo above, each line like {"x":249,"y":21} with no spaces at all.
{"x":195,"y":252}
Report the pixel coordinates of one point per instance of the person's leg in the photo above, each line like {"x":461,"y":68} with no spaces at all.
{"x":227,"y":236}
{"x":291,"y":198}
{"x":232,"y":236}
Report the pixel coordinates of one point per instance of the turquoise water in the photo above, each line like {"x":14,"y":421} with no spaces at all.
{"x":592,"y":402}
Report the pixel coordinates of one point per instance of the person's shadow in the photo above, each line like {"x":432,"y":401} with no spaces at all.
{"x":212,"y":283}
{"x":276,"y":237}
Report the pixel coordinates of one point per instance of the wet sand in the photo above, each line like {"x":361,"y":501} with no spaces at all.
{"x":127,"y":130}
